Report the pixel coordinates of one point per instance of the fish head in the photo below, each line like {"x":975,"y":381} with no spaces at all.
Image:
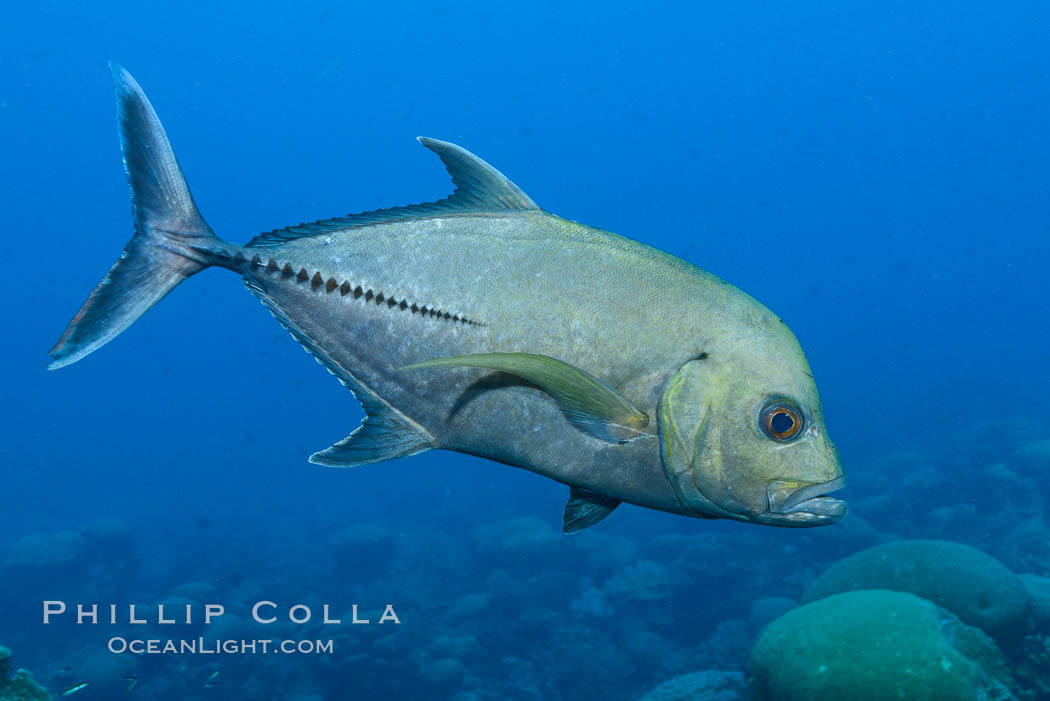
{"x":742,"y":435}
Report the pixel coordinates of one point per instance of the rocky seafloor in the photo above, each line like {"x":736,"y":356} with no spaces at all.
{"x":936,"y":586}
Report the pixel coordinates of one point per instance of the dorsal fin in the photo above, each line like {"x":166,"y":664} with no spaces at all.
{"x":480,"y":188}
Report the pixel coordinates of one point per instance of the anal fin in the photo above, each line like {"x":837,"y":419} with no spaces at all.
{"x":586,"y":508}
{"x":384,"y":434}
{"x":381,"y":436}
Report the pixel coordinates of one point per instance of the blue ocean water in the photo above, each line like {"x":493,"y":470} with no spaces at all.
{"x":876,"y":174}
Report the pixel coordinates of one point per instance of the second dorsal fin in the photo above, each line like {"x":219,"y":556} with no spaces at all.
{"x":480,"y":188}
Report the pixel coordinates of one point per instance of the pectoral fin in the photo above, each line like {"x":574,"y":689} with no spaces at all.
{"x":586,"y":508}
{"x":588,"y":403}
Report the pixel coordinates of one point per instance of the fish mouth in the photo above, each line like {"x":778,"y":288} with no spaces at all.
{"x":806,"y":504}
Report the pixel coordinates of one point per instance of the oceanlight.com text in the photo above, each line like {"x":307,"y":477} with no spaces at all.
{"x":201,"y":646}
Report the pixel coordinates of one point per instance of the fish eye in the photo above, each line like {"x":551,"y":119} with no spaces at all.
{"x":781,"y":420}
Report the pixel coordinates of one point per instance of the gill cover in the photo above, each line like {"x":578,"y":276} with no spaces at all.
{"x":685,"y":429}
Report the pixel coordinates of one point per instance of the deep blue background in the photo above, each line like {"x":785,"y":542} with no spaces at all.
{"x":876,"y":173}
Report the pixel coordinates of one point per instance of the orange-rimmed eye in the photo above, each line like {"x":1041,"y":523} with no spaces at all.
{"x":781,"y":420}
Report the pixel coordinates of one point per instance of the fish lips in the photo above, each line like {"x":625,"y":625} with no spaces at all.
{"x":805,"y":504}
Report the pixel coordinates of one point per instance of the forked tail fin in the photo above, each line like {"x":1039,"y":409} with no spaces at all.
{"x":171,"y":238}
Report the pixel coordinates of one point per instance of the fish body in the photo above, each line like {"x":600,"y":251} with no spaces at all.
{"x":485,"y":325}
{"x":534,"y":281}
{"x":132,"y":681}
{"x":74,"y":689}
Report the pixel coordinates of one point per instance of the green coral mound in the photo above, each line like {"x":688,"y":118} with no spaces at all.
{"x":19,"y":686}
{"x":974,"y":586}
{"x":874,"y":645}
